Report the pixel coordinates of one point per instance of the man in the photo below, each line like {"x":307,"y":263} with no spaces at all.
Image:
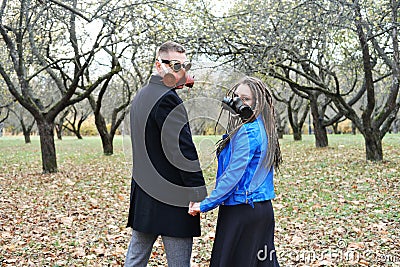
{"x":166,"y":172}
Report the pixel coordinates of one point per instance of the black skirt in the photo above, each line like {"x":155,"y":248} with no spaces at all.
{"x":245,"y":236}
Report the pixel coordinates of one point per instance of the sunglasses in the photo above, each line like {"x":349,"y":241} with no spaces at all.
{"x":176,"y":65}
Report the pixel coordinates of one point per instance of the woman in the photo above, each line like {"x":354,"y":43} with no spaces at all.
{"x":244,"y":188}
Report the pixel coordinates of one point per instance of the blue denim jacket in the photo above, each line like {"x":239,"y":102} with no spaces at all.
{"x":242,"y":176}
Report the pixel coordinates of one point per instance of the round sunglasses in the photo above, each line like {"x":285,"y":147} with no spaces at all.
{"x":176,"y":65}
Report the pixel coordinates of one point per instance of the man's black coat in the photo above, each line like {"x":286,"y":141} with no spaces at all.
{"x":166,"y":172}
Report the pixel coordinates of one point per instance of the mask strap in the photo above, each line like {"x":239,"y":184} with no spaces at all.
{"x":162,"y":65}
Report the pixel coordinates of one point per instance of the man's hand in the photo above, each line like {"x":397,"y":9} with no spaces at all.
{"x":194,"y":208}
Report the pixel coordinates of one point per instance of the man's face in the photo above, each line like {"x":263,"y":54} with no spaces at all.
{"x":166,"y":68}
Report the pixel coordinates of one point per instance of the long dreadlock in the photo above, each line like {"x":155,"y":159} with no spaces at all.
{"x":264,"y":106}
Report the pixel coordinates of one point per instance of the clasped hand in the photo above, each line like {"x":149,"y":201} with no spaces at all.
{"x":194,"y":208}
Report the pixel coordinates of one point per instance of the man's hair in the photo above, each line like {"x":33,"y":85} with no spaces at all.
{"x":170,"y":46}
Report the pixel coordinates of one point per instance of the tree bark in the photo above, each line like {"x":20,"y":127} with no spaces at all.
{"x":335,"y":127}
{"x":321,"y":137}
{"x":373,"y":142}
{"x":47,"y":145}
{"x":107,"y":141}
{"x":373,"y":146}
{"x":26,"y":132}
{"x":295,"y":123}
{"x":395,"y":126}
{"x":106,"y":138}
{"x":27,"y":137}
{"x":353,"y":129}
{"x":59,"y":132}
{"x":75,"y":129}
{"x":78,"y":134}
{"x":297,"y":134}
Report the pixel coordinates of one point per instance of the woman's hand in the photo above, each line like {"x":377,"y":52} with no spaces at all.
{"x":194,"y":208}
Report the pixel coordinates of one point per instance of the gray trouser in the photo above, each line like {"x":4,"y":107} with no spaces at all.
{"x":178,"y":250}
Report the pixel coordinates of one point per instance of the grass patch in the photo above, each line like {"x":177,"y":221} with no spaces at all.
{"x":328,"y":200}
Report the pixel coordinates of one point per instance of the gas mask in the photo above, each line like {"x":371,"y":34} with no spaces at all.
{"x":169,"y":78}
{"x":236,"y":106}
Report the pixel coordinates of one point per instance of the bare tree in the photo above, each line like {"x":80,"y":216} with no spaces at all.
{"x":4,"y":117}
{"x":297,"y":112}
{"x":375,"y":120}
{"x":341,"y":55}
{"x":118,"y":112}
{"x":59,"y":123}
{"x":33,"y":32}
{"x":78,"y":114}
{"x":25,"y":119}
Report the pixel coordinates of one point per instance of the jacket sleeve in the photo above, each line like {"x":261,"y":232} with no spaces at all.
{"x":178,"y":146}
{"x":243,"y":147}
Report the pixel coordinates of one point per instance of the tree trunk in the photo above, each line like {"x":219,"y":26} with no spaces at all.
{"x":26,"y":132}
{"x":321,"y":137}
{"x":1,"y":128}
{"x":373,"y":146}
{"x":335,"y":127}
{"x":395,"y":126}
{"x":279,"y":127}
{"x":294,"y":123}
{"x":353,"y":129}
{"x":59,"y":132}
{"x":27,"y":137}
{"x":46,"y":133}
{"x":297,"y":134}
{"x":78,"y":129}
{"x":78,"y":135}
{"x":107,"y":141}
{"x":280,"y":132}
{"x":106,"y":138}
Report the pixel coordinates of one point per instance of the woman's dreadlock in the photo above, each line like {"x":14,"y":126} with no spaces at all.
{"x":264,"y":106}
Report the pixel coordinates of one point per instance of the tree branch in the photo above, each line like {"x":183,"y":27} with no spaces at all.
{"x":73,"y":10}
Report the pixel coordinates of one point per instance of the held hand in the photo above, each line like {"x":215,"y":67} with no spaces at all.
{"x":194,"y":208}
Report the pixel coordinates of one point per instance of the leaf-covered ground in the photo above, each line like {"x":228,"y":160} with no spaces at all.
{"x":332,"y":208}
